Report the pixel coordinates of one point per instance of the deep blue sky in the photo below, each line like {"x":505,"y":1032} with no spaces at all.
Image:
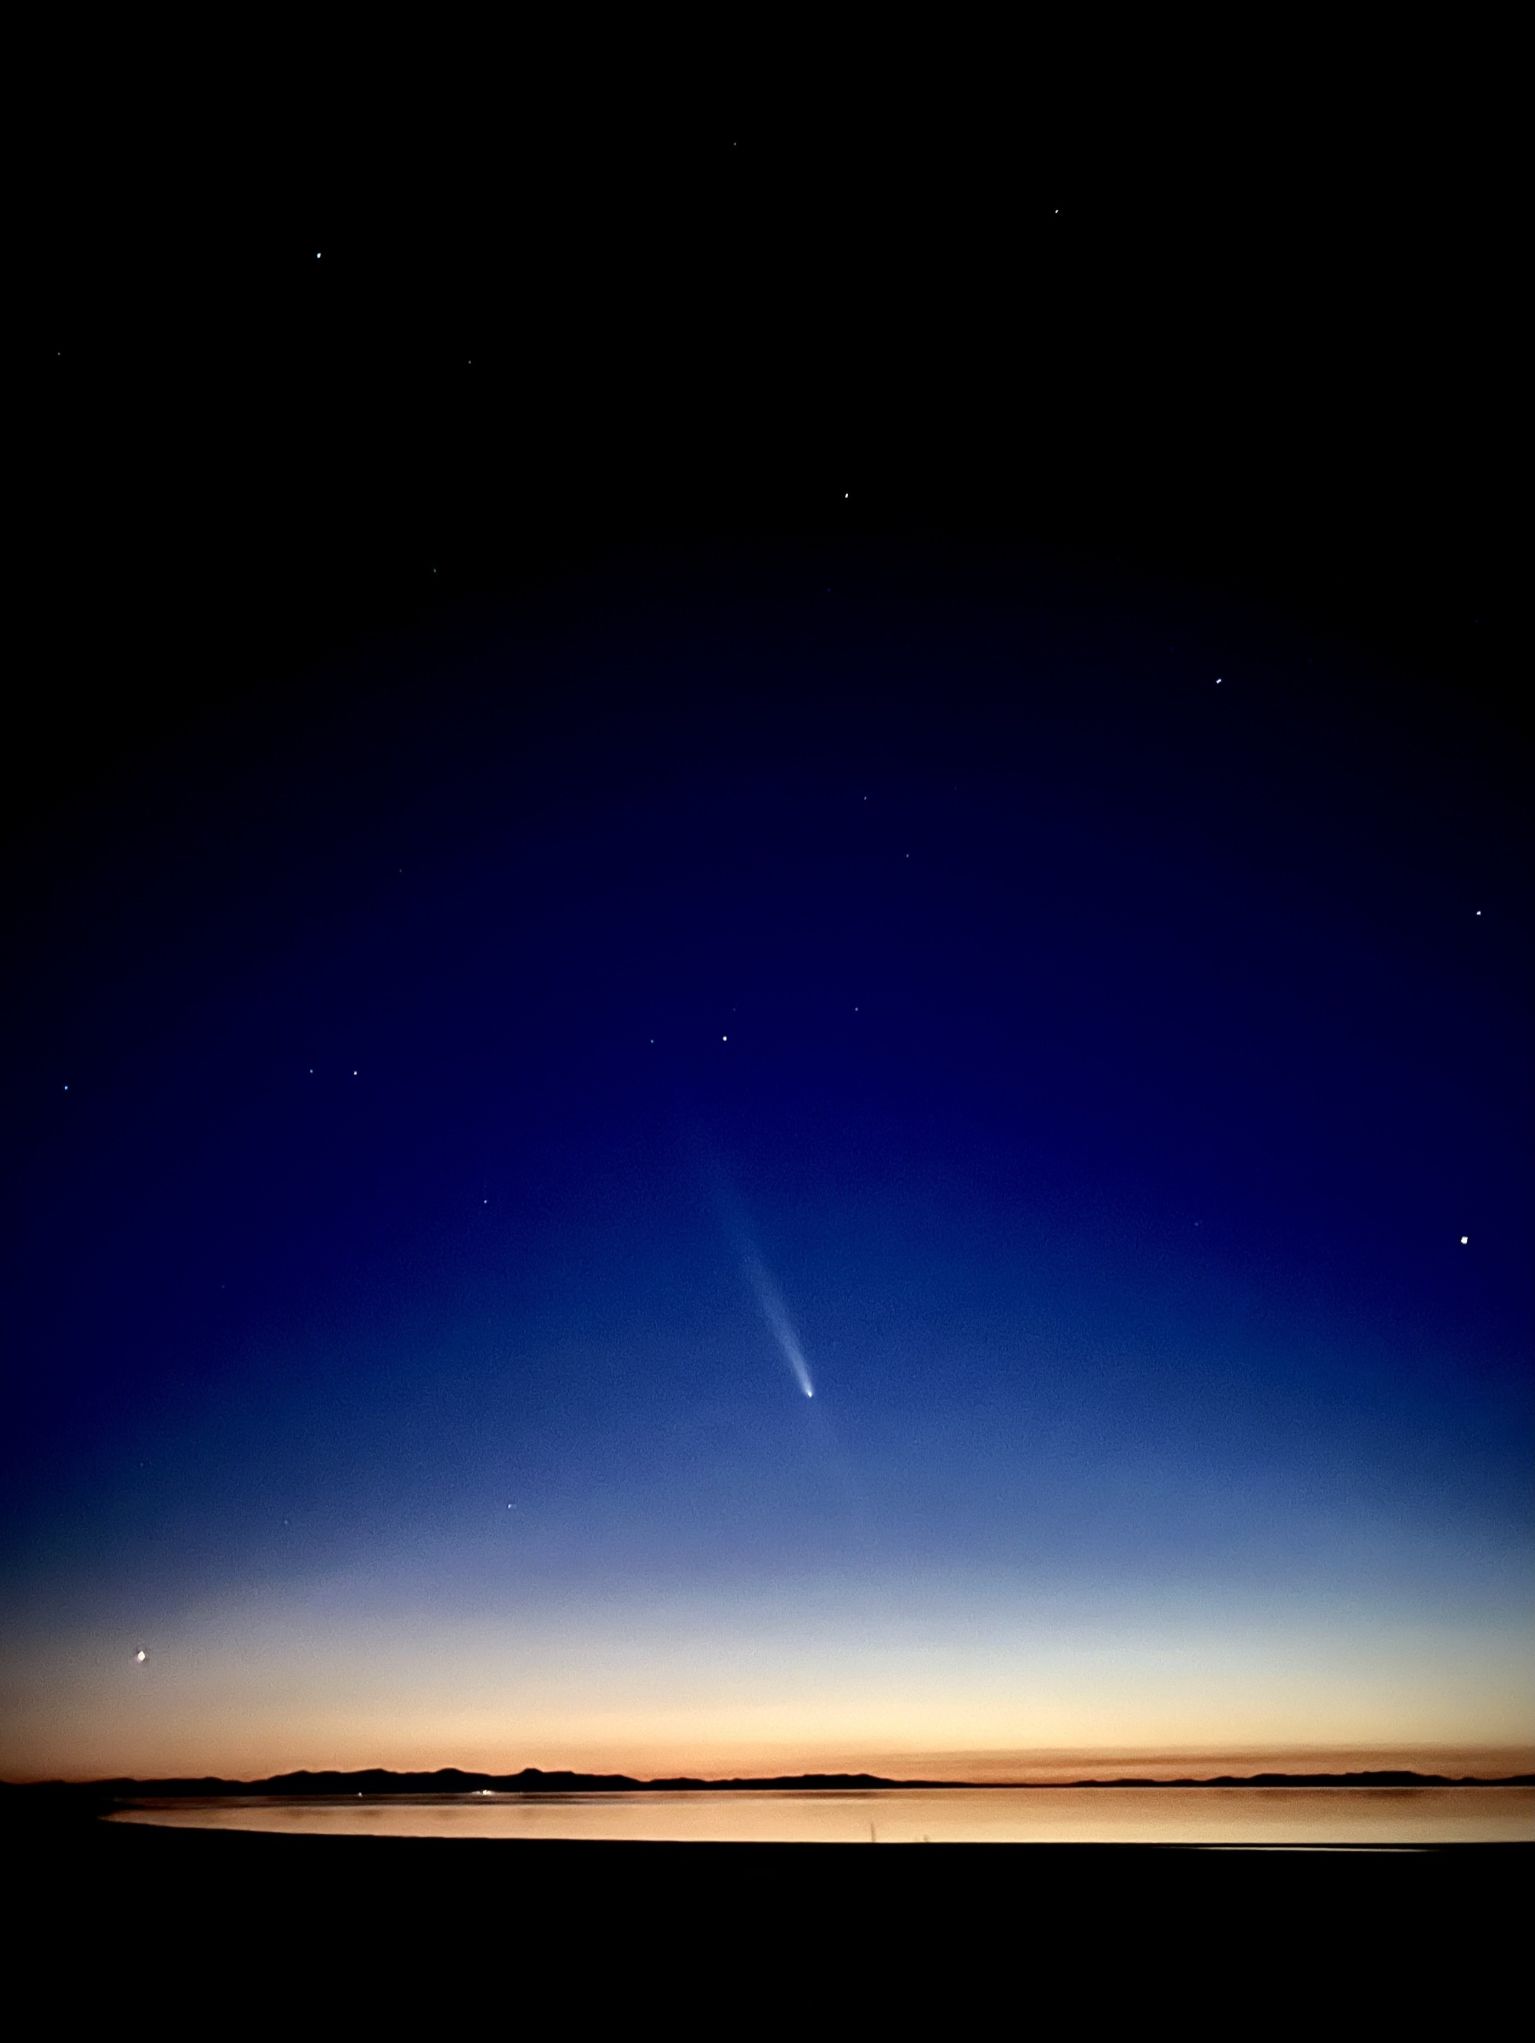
{"x":1115,"y":1056}
{"x":653,"y":746}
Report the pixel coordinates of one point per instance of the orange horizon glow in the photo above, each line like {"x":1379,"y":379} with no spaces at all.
{"x":1050,"y":1766}
{"x":905,"y":1683}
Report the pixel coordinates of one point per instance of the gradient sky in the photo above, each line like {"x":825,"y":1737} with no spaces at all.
{"x":664,"y":759}
{"x":1101,"y":1033}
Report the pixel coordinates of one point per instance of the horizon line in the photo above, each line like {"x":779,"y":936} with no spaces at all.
{"x":1260,"y":1777}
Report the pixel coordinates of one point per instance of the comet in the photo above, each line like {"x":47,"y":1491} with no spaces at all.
{"x":776,"y":1313}
{"x":742,"y":1238}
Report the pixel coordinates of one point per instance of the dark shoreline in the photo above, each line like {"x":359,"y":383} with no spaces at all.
{"x":715,"y":1936}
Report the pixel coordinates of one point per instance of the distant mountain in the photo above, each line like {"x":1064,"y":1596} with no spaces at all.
{"x":373,"y":1782}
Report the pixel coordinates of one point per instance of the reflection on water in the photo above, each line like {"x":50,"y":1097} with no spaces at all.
{"x":1246,"y":1816}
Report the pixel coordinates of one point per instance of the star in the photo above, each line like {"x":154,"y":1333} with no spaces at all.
{"x":1464,"y":1239}
{"x":724,"y":1039}
{"x":141,"y":1656}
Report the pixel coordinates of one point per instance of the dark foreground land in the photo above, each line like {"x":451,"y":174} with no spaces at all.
{"x":210,"y":1931}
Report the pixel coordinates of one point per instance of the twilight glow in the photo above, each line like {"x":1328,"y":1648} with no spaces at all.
{"x":1126,"y":1092}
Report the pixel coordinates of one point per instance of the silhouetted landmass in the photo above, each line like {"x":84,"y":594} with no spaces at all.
{"x":167,"y":1926}
{"x":374,"y":1782}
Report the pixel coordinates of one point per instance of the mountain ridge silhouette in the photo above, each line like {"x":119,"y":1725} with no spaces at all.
{"x":374,"y":1782}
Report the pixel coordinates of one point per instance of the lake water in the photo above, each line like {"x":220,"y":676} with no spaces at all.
{"x":1209,"y":1816}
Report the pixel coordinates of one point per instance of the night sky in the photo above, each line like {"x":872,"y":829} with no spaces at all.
{"x":670,"y":763}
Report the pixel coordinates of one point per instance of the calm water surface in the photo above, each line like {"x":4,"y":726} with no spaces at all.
{"x":1243,"y":1816}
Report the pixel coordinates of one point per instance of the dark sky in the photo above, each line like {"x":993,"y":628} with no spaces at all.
{"x":661,"y":754}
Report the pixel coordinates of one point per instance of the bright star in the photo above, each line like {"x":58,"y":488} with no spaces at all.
{"x":141,"y":1656}
{"x":1464,"y":1239}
